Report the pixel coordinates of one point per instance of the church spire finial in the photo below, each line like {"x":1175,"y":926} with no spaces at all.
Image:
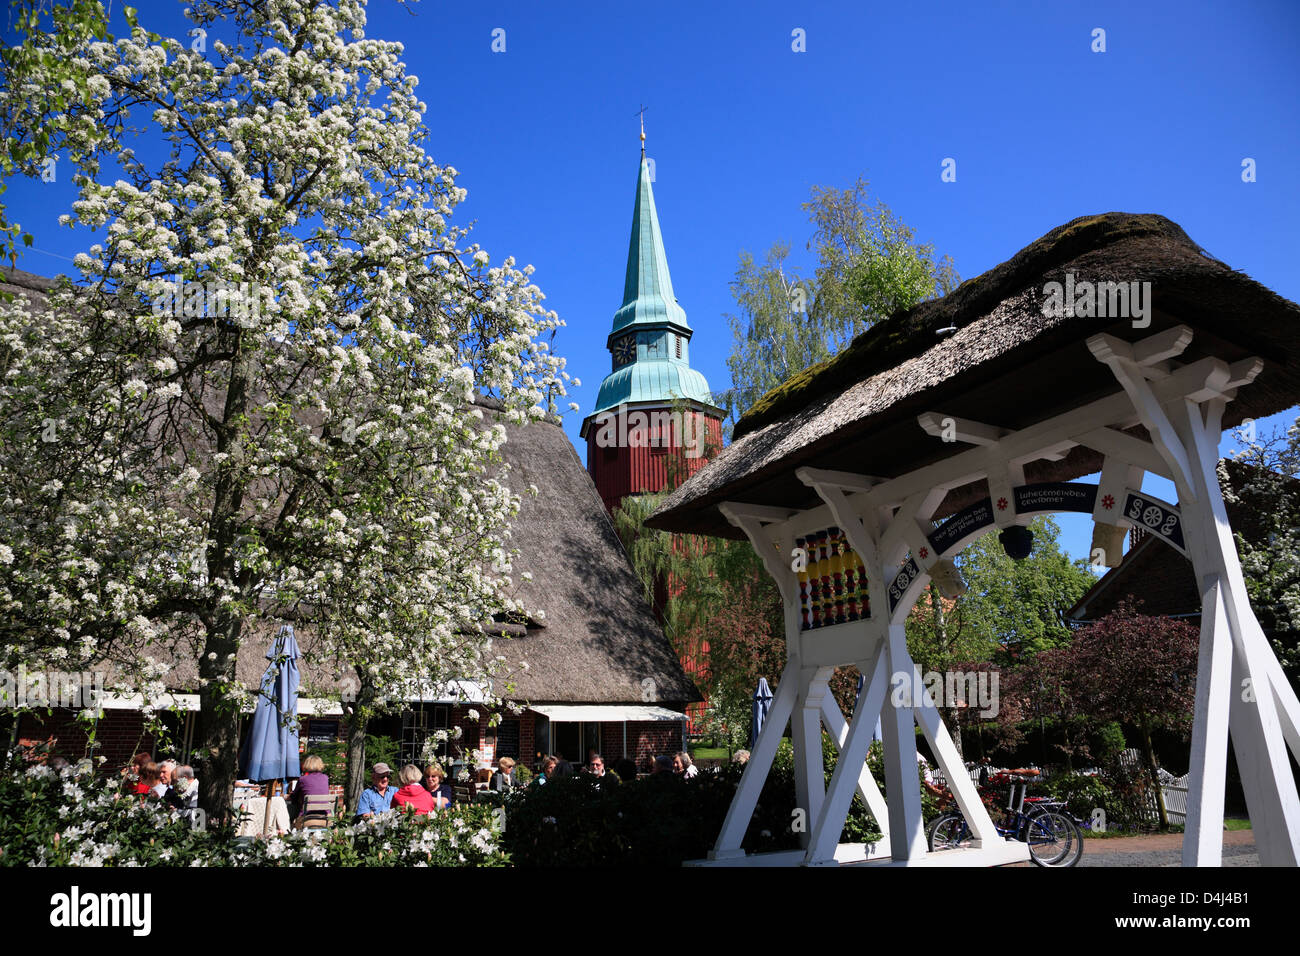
{"x":641,"y":112}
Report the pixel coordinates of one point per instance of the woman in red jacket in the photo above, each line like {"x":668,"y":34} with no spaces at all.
{"x":411,"y":793}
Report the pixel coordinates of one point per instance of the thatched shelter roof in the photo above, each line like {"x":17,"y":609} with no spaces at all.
{"x":591,"y":636}
{"x":1006,"y":364}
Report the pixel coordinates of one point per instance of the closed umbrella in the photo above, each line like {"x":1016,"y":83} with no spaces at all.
{"x":862,"y":682}
{"x":271,"y":750}
{"x":762,"y":704}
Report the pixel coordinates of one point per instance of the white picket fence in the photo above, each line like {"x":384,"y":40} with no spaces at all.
{"x":1173,"y":788}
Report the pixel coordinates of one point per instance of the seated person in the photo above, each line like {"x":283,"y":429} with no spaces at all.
{"x":131,"y":773}
{"x":596,"y":770}
{"x":504,"y":780}
{"x":162,"y":790}
{"x":314,"y":782}
{"x":411,"y":794}
{"x":548,"y":770}
{"x":378,"y":797}
{"x":184,"y":795}
{"x":150,"y":777}
{"x":433,"y":782}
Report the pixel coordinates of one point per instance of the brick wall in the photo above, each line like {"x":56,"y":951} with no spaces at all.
{"x":119,"y":735}
{"x":652,"y":738}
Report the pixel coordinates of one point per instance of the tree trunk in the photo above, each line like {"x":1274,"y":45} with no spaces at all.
{"x":218,"y":747}
{"x":358,"y":715}
{"x":9,"y":730}
{"x":1150,"y":752}
{"x":950,"y":712}
{"x":218,"y":713}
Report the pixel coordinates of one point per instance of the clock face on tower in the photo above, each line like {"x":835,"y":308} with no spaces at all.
{"x":624,"y":350}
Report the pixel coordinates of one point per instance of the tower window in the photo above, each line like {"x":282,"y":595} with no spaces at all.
{"x":679,"y":346}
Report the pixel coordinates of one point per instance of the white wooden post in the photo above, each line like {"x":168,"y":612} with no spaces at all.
{"x":806,"y":735}
{"x":1207,"y":768}
{"x":1184,"y":414}
{"x":906,"y":830}
{"x":850,"y":768}
{"x":839,"y":731}
{"x":742,"y":806}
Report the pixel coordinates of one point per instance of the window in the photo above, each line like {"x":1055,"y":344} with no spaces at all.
{"x":679,"y":346}
{"x":508,"y":738}
{"x":418,"y":724}
{"x":573,"y":739}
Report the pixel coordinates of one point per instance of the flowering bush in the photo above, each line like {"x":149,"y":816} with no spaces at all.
{"x":50,"y":818}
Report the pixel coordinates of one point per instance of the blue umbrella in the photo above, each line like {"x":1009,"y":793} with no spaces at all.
{"x":862,"y":682}
{"x":271,"y":750}
{"x":762,"y":704}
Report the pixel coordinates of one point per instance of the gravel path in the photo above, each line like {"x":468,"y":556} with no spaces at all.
{"x":1165,"y":849}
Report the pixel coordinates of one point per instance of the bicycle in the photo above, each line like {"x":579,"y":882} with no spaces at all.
{"x":1054,"y":838}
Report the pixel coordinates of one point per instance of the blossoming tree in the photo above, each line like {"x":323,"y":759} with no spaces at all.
{"x":259,"y":402}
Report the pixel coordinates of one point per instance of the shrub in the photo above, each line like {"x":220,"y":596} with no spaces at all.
{"x":1082,"y":795}
{"x":50,"y":818}
{"x":660,"y":820}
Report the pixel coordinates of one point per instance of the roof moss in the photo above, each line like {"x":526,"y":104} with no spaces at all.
{"x":909,"y":332}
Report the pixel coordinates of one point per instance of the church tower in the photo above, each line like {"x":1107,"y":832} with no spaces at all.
{"x":654,"y":422}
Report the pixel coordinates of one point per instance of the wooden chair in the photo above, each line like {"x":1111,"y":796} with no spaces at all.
{"x":317,"y":811}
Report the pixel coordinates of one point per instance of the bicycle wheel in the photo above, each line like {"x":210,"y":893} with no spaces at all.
{"x":1054,"y":839}
{"x":949,"y":831}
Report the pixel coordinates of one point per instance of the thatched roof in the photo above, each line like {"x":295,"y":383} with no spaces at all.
{"x":596,"y":639}
{"x":599,"y":642}
{"x":1007,"y":364}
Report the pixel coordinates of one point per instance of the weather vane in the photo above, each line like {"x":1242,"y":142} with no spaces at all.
{"x":641,"y":113}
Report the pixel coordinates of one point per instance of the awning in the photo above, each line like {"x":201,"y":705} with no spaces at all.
{"x":307,"y":706}
{"x":452,"y":692}
{"x":610,"y":713}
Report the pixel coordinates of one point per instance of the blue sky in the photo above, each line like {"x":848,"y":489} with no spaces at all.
{"x":740,"y":127}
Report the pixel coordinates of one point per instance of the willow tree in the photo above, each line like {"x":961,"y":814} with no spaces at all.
{"x":259,"y":401}
{"x":714,"y":592}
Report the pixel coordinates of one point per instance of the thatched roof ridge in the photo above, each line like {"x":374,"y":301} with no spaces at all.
{"x":910,"y":332}
{"x":1007,"y":364}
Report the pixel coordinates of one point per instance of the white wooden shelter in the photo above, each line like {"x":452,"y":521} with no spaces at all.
{"x":1162,"y":413}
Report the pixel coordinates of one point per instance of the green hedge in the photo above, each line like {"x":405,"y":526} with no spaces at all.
{"x":660,"y":820}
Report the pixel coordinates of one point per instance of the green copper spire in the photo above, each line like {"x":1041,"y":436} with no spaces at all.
{"x":650,"y":339}
{"x":647,"y":288}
